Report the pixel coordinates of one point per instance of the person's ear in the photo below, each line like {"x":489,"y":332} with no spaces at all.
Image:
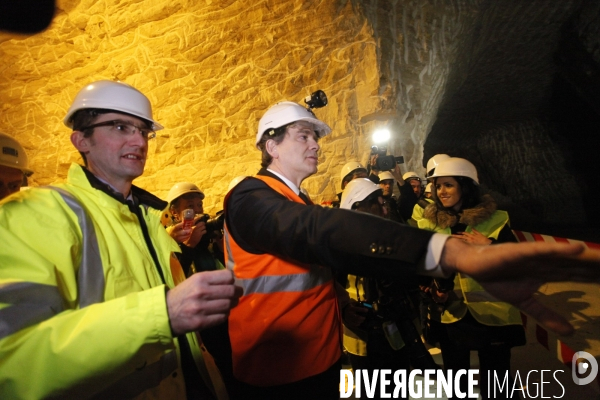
{"x":272,"y":148}
{"x":81,"y":143}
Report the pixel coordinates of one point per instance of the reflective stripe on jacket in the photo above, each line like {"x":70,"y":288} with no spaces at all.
{"x":79,"y":317}
{"x":286,"y":326}
{"x":468,"y":294}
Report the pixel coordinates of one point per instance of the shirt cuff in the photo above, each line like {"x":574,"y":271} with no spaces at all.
{"x":431,"y":266}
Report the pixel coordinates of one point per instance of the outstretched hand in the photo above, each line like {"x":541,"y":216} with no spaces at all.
{"x":513,"y":272}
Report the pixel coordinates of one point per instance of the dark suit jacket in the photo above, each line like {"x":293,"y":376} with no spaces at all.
{"x":263,"y":221}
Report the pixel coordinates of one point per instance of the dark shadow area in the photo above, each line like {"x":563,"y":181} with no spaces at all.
{"x":26,"y":16}
{"x":524,"y":106}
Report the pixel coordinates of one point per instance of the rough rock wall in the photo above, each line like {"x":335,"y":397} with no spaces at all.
{"x":418,"y":48}
{"x":212,"y":68}
{"x":497,"y":109}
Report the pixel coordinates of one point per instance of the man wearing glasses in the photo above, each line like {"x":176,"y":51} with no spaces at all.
{"x":90,"y":307}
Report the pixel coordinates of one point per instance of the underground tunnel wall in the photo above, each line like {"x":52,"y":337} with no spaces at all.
{"x":212,"y":68}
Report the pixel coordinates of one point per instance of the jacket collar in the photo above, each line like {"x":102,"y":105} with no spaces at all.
{"x":140,"y":196}
{"x":470,"y":216}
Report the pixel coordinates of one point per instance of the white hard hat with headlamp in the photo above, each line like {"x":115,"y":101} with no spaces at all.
{"x":456,"y":167}
{"x":285,"y":113}
{"x":357,"y":190}
{"x":115,"y":96}
{"x":182,"y":188}
{"x":13,"y":155}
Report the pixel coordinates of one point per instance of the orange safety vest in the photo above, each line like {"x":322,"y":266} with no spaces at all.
{"x":286,"y":326}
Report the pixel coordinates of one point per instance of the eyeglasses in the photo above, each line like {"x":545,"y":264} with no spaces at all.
{"x":125,"y":128}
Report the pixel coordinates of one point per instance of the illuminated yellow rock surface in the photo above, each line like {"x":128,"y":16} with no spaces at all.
{"x":211,"y":68}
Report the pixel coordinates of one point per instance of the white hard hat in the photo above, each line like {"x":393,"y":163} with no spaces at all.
{"x":428,"y":188}
{"x":349,"y":167}
{"x":13,"y":154}
{"x":110,"y":95}
{"x":386,"y":175}
{"x":456,"y":167}
{"x":357,"y":190}
{"x":285,"y":113}
{"x":410,"y":175}
{"x":234,"y":182}
{"x":434,"y":161}
{"x":181,"y":188}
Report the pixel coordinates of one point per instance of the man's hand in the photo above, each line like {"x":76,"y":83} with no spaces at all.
{"x":474,"y":237}
{"x":179,"y":234}
{"x":512,"y":272}
{"x":201,"y":301}
{"x":198,"y":230}
{"x":373,"y":163}
{"x":398,"y":175}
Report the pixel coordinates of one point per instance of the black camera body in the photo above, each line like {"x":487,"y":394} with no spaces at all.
{"x":385,"y":162}
{"x":316,"y":99}
{"x":214,"y":226}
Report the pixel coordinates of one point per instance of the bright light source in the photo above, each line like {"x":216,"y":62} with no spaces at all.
{"x":381,"y":136}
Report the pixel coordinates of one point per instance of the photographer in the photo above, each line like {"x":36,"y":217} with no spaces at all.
{"x":378,"y":323}
{"x":354,"y":170}
{"x":198,"y":241}
{"x":400,"y":209}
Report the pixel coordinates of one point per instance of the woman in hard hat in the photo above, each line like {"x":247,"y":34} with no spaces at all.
{"x":467,"y":317}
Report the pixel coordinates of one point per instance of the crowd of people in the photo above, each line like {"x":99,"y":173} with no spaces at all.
{"x":101,"y":301}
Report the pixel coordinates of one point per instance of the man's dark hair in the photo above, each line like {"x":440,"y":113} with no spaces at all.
{"x":277,"y":134}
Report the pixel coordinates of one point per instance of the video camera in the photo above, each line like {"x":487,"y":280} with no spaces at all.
{"x":385,"y":162}
{"x":316,"y":99}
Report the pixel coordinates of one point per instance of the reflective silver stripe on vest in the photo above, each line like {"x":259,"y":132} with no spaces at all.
{"x":90,"y":278}
{"x":145,"y":378}
{"x":458,"y":293}
{"x":480,"y":297}
{"x":316,"y":276}
{"x":229,"y":262}
{"x":31,"y":303}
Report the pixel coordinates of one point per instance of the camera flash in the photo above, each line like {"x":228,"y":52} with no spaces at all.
{"x":381,"y":136}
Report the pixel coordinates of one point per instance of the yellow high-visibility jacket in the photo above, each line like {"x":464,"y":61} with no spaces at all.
{"x":468,"y":294}
{"x":79,"y":320}
{"x":355,"y":342}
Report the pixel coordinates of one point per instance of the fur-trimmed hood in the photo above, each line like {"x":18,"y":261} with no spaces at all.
{"x":470,"y":216}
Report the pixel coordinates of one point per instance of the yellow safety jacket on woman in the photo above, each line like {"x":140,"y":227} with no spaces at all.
{"x":286,"y":326}
{"x":468,"y":294}
{"x":355,"y":342}
{"x":84,"y":317}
